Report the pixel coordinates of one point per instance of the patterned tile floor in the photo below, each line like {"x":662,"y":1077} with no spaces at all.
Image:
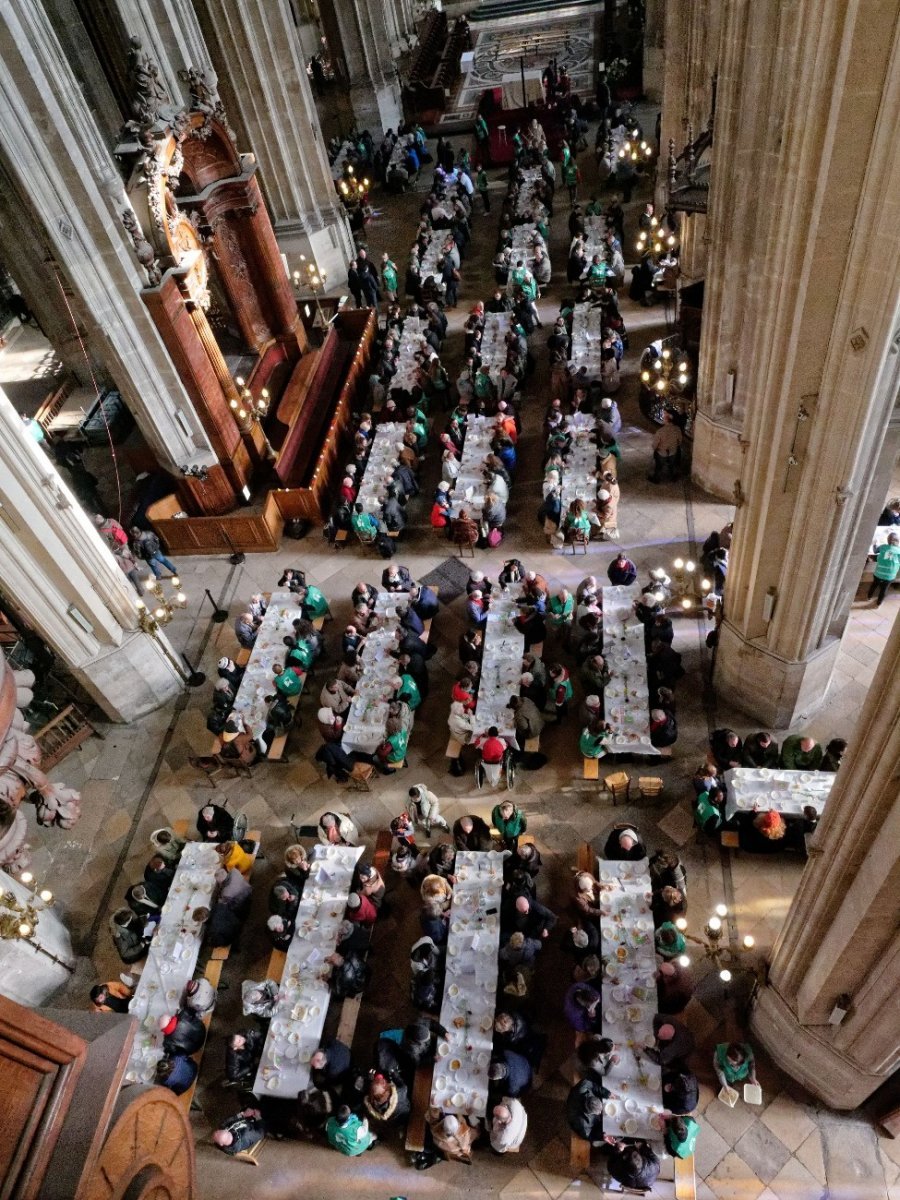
{"x":139,"y":779}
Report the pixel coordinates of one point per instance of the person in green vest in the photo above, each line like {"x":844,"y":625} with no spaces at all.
{"x":596,"y":272}
{"x":510,"y":822}
{"x":313,"y":602}
{"x":518,"y":145}
{"x":529,"y":285}
{"x":518,"y":273}
{"x":594,"y":209}
{"x":707,"y":814}
{"x":577,"y":520}
{"x":482,"y":185}
{"x":288,"y":683}
{"x":406,"y":688}
{"x":393,"y":750}
{"x":560,"y":609}
{"x":887,"y":565}
{"x":565,"y":154}
{"x":389,"y":277}
{"x":681,"y":1136}
{"x":592,"y":742}
{"x":570,"y":179}
{"x":301,"y":655}
{"x":464,"y":161}
{"x":484,"y":387}
{"x":364,"y":524}
{"x":733,"y":1062}
{"x":561,"y":686}
{"x":543,"y":228}
{"x":483,"y":139}
{"x":349,"y":1133}
{"x":669,"y":941}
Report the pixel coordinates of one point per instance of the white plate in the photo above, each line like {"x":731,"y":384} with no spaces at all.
{"x":273,"y":1083}
{"x":631,"y":1105}
{"x":630,"y":1126}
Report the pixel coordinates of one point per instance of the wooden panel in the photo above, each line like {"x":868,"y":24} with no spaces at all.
{"x":39,"y":1064}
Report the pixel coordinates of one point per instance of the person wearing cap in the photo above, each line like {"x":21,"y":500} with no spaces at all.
{"x":230,"y":672}
{"x":238,"y":744}
{"x":591,"y":709}
{"x":183,"y":1032}
{"x":361,"y":910}
{"x":200,"y":996}
{"x":336,"y":829}
{"x":453,"y":1136}
{"x":371,"y":884}
{"x":510,"y":822}
{"x":624,"y":843}
{"x":241,"y":1132}
{"x":609,"y":412}
{"x":621,"y":571}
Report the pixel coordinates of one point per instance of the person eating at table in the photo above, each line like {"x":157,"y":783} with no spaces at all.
{"x":509,"y":1073}
{"x":452,"y":1136}
{"x":761,"y":750}
{"x":633,"y":1164}
{"x":584,"y":1110}
{"x":681,"y":1136}
{"x":834,"y":752}
{"x":507,"y":1125}
{"x":669,"y":941}
{"x":674,"y":988}
{"x":726,"y":749}
{"x":680,"y":1090}
{"x":581,"y":1008}
{"x":528,"y":916}
{"x":801,"y":753}
{"x":240,"y":1133}
{"x":214,"y":823}
{"x":349,"y":1133}
{"x":472,"y":833}
{"x":624,"y":843}
{"x":586,"y":891}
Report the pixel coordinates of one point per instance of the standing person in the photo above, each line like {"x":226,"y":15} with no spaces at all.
{"x":571,"y":176}
{"x":389,"y":278}
{"x":482,"y":184}
{"x":887,"y":565}
{"x":111,"y":532}
{"x":127,"y":562}
{"x":354,"y":283}
{"x":147,"y":546}
{"x":666,"y":450}
{"x":483,"y":138}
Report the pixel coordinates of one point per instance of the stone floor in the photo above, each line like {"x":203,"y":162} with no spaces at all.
{"x":138,"y":778}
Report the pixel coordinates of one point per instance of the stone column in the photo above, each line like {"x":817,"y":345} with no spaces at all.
{"x":358,"y":35}
{"x":820,"y":374}
{"x":842,"y":933}
{"x":55,"y":155}
{"x":59,"y":575}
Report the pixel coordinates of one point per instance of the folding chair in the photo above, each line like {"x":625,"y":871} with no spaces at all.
{"x":618,"y":786}
{"x":579,"y":538}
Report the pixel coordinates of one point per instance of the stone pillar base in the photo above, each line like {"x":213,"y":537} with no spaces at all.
{"x":807,"y":1056}
{"x":654,"y":73}
{"x":716,"y":457}
{"x":377,"y":109}
{"x":329,"y":248}
{"x":773,"y":690}
{"x":132,"y":679}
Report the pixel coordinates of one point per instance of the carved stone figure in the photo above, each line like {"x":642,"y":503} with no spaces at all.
{"x":20,"y":774}
{"x":142,"y":248}
{"x":147,"y":91}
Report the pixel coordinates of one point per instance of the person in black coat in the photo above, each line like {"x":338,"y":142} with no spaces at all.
{"x":761,"y":750}
{"x":331,"y":1066}
{"x":284,"y":898}
{"x":527,"y":916}
{"x":354,"y":283}
{"x":472,"y":833}
{"x":158,"y":876}
{"x":396,"y":579}
{"x":633,"y":1164}
{"x":214,"y":823}
{"x":242,"y":1055}
{"x":624,"y":844}
{"x":726,"y":748}
{"x":184,"y":1033}
{"x":584,"y":1110}
{"x":681,"y":1092}
{"x":424,"y":601}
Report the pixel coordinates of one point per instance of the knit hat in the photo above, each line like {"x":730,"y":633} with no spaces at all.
{"x":225,"y":664}
{"x":232,"y":728}
{"x":606,"y":402}
{"x":592,"y":701}
{"x":353,"y":901}
{"x":603,"y":494}
{"x":584,"y":881}
{"x":167,"y":1024}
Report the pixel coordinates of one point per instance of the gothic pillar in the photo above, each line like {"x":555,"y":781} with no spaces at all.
{"x":262,"y":76}
{"x":358,"y":35}
{"x":654,"y":49}
{"x":841,"y":937}
{"x":60,"y":577}
{"x":821,"y":374}
{"x":55,"y":156}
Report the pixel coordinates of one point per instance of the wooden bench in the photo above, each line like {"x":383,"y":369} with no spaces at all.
{"x":685,"y":1179}
{"x":730,"y":839}
{"x":381,"y":856}
{"x":242,"y":657}
{"x":419,"y":1105}
{"x":579,"y":1149}
{"x":454,"y":748}
{"x":340,"y":538}
{"x":584,"y":858}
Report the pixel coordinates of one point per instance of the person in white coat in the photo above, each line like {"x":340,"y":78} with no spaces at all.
{"x":426,"y":808}
{"x":507,"y":1125}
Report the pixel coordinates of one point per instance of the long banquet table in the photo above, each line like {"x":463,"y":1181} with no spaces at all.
{"x":501,"y":667}
{"x":626,"y":697}
{"x":587,"y":340}
{"x":634,"y":1108}
{"x":434,"y":251}
{"x":172,"y":956}
{"x":295,"y":1030}
{"x":527,"y":208}
{"x":594,"y":234}
{"x":774,"y":788}
{"x":365,"y":726}
{"x":469,"y":488}
{"x":411,"y":341}
{"x":250,"y":703}
{"x":380,"y":465}
{"x":579,"y":473}
{"x":460,"y":1081}
{"x":493,"y":343}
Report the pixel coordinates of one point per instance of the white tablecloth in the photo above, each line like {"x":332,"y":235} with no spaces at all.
{"x":470,"y":489}
{"x":578,"y":481}
{"x":881,"y":536}
{"x":368,"y":714}
{"x":787,"y":792}
{"x":493,"y":343}
{"x":594,"y":233}
{"x":501,"y":667}
{"x":434,"y":251}
{"x":383,"y":459}
{"x":460,"y":1083}
{"x":527,"y":207}
{"x":629,"y":1000}
{"x":295,"y":1030}
{"x":250,"y":703}
{"x":337,"y":167}
{"x":626,"y":697}
{"x":410,"y":342}
{"x":173,"y":954}
{"x":512,"y":89}
{"x":587,"y":339}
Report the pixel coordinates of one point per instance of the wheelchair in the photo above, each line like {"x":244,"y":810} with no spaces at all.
{"x":493,"y":773}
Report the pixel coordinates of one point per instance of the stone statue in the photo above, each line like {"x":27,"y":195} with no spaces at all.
{"x":142,"y":248}
{"x":147,"y":91}
{"x":20,"y":774}
{"x":205,"y":99}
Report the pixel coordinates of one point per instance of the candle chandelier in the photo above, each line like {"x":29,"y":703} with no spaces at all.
{"x":668,"y":374}
{"x":250,"y":410}
{"x":655,"y":239}
{"x":163,"y":608}
{"x":723,"y":957}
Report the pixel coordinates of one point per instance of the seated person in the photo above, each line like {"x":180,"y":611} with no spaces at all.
{"x":709,"y":809}
{"x":726,"y":749}
{"x":764,"y":833}
{"x":834,"y":752}
{"x":674,"y":988}
{"x":242,"y":1054}
{"x":452,"y":1136}
{"x":681,"y":1136}
{"x":674,"y":1042}
{"x":584,"y":1110}
{"x":593,"y":739}
{"x":510,"y":1073}
{"x":528,"y":916}
{"x":386,"y":1101}
{"x":241,"y":1132}
{"x":183,"y":1032}
{"x":663,"y":728}
{"x":214,"y":823}
{"x":733,"y":1062}
{"x":801,"y":753}
{"x":336,"y":829}
{"x":349,"y":1133}
{"x":111,"y":997}
{"x":624,"y":844}
{"x":176,"y":1072}
{"x":331,"y":1066}
{"x":472,"y":833}
{"x":581,"y":1008}
{"x":507,"y":1125}
{"x":669,"y":941}
{"x":761,"y":750}
{"x":633,"y":1164}
{"x":680,"y":1090}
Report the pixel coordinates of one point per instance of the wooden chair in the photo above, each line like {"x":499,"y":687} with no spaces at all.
{"x":650,"y":787}
{"x":381,"y":856}
{"x":584,"y":858}
{"x":464,"y":544}
{"x":358,"y":780}
{"x":250,"y":1156}
{"x":578,"y":538}
{"x":618,"y":785}
{"x":213,"y":765}
{"x":730,"y":839}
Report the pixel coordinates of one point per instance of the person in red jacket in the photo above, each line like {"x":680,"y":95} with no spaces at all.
{"x":493,"y":751}
{"x":360,"y":909}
